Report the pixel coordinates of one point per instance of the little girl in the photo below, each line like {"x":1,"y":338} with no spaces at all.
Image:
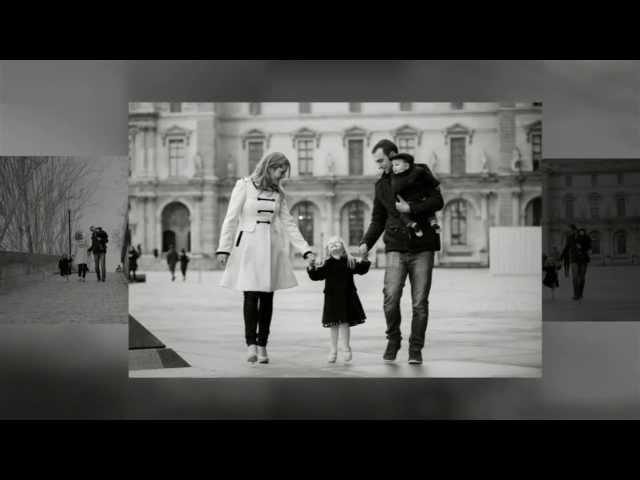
{"x":550,"y":268}
{"x":342,"y":308}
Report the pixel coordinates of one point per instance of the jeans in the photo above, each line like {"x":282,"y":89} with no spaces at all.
{"x":101,"y":270}
{"x":578,"y":275}
{"x":419,"y":268}
{"x":258,"y":307}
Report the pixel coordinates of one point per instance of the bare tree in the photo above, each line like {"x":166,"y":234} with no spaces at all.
{"x":36,"y":196}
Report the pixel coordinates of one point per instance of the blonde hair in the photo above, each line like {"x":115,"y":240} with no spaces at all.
{"x":261,"y":176}
{"x":351,"y":261}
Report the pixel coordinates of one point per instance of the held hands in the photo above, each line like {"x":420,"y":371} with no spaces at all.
{"x":311,"y":261}
{"x":364,"y":251}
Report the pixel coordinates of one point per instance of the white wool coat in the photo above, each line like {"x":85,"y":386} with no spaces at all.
{"x":256,"y":232}
{"x":81,"y":255}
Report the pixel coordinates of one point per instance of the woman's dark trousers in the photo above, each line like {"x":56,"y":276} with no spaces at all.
{"x":258,"y":307}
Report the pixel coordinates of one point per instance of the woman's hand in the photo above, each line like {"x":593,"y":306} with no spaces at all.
{"x":222,"y":258}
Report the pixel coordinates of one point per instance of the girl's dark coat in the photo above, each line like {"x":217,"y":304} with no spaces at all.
{"x":341,"y":301}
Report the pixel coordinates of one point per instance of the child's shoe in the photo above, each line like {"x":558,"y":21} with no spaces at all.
{"x":347,"y":355}
{"x":333,"y":355}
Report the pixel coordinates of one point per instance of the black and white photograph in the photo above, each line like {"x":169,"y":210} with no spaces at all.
{"x":62,"y":230}
{"x":335,"y":239}
{"x":591,"y":237}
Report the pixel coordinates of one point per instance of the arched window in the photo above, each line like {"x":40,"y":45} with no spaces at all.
{"x":458,"y":222}
{"x":533,"y":212}
{"x":303,"y":213}
{"x":620,"y":242}
{"x":595,"y":242}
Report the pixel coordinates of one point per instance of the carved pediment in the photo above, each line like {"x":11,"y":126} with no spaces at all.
{"x":407,"y":131}
{"x":356,"y":132}
{"x":255,"y":134}
{"x":176,"y":131}
{"x":458,"y":130}
{"x":305,"y":133}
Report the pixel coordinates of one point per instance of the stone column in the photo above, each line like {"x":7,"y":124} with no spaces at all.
{"x":208,"y":220}
{"x":150,"y":137}
{"x":139,"y":149}
{"x":507,"y":136}
{"x":195,"y":227}
{"x":146,"y":152}
{"x":145,"y":222}
{"x":516,"y":200}
{"x":154,"y":222}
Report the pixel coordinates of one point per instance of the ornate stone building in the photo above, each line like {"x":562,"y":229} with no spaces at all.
{"x":185,"y":158}
{"x":600,"y":195}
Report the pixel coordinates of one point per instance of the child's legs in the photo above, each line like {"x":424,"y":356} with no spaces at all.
{"x":345,"y":334}
{"x":334,"y":338}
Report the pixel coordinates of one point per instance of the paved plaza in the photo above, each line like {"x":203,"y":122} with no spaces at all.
{"x":610,"y":294}
{"x":53,"y":299}
{"x":480,"y":326}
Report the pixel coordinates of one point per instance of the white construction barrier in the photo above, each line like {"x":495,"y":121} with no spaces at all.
{"x":515,"y":250}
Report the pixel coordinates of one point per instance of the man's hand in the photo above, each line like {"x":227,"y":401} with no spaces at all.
{"x":364,"y":251}
{"x":311,"y":260}
{"x":402,"y":206}
{"x":222,"y":258}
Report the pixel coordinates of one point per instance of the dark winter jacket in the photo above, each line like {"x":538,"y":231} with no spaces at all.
{"x":341,"y":301}
{"x":172,"y":258}
{"x":576,"y":249}
{"x":386,"y":219}
{"x":99,"y":240}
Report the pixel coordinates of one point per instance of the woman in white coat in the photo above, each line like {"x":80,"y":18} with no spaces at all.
{"x":253,"y":247}
{"x":81,"y":255}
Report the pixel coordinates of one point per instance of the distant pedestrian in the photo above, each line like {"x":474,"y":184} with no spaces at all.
{"x":172,"y":260}
{"x":550,"y":266}
{"x":81,"y":255}
{"x":64,"y":264}
{"x":139,"y":249}
{"x":99,"y":240}
{"x":576,"y":253}
{"x":155,"y":252}
{"x":133,"y":263}
{"x":184,"y":260}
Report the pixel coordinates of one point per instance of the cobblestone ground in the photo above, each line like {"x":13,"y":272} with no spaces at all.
{"x":58,"y":300}
{"x":480,"y":326}
{"x":610,"y":294}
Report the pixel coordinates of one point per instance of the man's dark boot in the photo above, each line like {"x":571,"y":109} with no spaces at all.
{"x":391,"y":351}
{"x":415,"y":356}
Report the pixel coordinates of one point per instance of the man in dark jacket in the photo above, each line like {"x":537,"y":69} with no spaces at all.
{"x":576,"y":253}
{"x":172,"y":259}
{"x":99,"y":240}
{"x":406,"y":254}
